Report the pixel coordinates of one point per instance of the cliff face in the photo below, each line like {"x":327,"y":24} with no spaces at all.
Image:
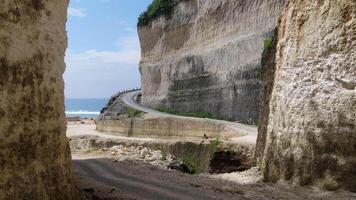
{"x":309,"y":136}
{"x":206,"y":56}
{"x":34,"y":154}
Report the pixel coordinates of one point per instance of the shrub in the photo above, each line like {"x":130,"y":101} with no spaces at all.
{"x":215,"y":144}
{"x":191,"y":160}
{"x":267,"y":42}
{"x":164,"y":154}
{"x":156,"y":9}
{"x":134,"y":113}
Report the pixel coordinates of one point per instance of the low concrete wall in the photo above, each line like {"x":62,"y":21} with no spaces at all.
{"x":168,"y":127}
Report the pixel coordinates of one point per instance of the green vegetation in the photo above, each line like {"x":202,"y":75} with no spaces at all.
{"x":192,"y":114}
{"x":191,"y":160}
{"x":92,"y":149}
{"x":215,"y":144}
{"x":155,"y":10}
{"x":197,"y":158}
{"x":134,"y":113}
{"x":330,"y":183}
{"x":164,"y":154}
{"x":267,"y":42}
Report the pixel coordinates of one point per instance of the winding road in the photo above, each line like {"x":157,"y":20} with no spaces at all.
{"x":249,"y":132}
{"x":142,"y":181}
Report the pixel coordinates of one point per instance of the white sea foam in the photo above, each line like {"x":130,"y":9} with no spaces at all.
{"x":82,"y":112}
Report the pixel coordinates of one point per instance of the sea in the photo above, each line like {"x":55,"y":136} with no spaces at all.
{"x":84,"y":108}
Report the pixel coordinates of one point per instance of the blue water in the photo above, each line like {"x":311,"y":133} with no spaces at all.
{"x":84,"y":108}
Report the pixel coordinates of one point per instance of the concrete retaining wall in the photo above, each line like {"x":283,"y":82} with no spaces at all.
{"x":168,"y":127}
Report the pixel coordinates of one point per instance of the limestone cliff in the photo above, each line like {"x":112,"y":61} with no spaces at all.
{"x":308,"y":129}
{"x":34,"y":154}
{"x":206,"y":56}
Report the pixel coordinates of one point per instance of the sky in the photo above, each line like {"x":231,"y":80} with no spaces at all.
{"x":103,"y":51}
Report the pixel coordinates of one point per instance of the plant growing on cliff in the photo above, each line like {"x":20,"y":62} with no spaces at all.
{"x":164,"y":154}
{"x":156,"y":9}
{"x":191,"y":160}
{"x":267,"y":42}
{"x":215,"y":144}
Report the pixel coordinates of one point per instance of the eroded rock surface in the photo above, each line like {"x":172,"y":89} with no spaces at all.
{"x":34,"y":154}
{"x":206,"y":56}
{"x":310,"y":135}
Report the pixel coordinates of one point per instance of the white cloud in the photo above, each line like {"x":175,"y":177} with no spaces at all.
{"x":130,"y":42}
{"x":104,"y":59}
{"x":128,"y":53}
{"x":95,"y":73}
{"x":76,"y":12}
{"x":130,"y":30}
{"x":97,"y":0}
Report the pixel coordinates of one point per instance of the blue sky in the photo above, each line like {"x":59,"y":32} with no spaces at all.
{"x":103,"y":52}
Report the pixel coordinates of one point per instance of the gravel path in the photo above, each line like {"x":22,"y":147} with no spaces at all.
{"x":133,"y":181}
{"x":127,"y":180}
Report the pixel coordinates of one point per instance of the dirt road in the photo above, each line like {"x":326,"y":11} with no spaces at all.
{"x":133,"y":181}
{"x":128,"y":180}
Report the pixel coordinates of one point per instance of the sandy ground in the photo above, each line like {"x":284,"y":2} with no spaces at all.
{"x":102,"y":175}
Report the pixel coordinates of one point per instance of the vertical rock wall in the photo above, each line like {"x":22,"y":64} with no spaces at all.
{"x":309,"y":136}
{"x":207,"y":55}
{"x":34,"y":154}
{"x":268,"y":69}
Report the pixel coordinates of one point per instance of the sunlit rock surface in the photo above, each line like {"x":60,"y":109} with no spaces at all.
{"x":207,"y":55}
{"x":307,"y":132}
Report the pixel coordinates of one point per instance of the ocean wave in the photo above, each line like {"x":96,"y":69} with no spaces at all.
{"x":82,"y":112}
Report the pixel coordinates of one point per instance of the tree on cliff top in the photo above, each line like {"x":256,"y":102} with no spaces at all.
{"x":156,"y":9}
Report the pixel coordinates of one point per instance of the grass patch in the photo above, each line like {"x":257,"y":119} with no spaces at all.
{"x":191,"y":160}
{"x":134,"y":113}
{"x":92,"y":149}
{"x":267,"y":42}
{"x":192,"y":114}
{"x":215,"y":144}
{"x":164,"y":154}
{"x":156,"y":9}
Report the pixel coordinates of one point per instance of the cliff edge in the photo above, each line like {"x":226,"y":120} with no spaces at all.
{"x":205,"y":55}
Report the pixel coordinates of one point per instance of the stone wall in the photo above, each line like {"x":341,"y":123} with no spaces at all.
{"x":309,"y":136}
{"x":206,"y":56}
{"x":35,"y":158}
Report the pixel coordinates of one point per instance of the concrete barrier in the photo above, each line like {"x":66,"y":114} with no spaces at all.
{"x":168,"y":127}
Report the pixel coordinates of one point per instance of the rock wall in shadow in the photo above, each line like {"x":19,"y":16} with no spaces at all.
{"x":35,"y":160}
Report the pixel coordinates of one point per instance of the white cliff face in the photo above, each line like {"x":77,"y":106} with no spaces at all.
{"x":34,"y":154}
{"x":310,"y":134}
{"x":207,"y":56}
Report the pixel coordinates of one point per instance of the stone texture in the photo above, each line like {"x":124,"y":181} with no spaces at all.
{"x":206,"y":56}
{"x":310,"y":135}
{"x":34,"y":154}
{"x":268,"y":69}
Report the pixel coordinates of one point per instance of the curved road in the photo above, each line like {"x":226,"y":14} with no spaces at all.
{"x":128,"y":99}
{"x":250,"y":132}
{"x":132,"y":180}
